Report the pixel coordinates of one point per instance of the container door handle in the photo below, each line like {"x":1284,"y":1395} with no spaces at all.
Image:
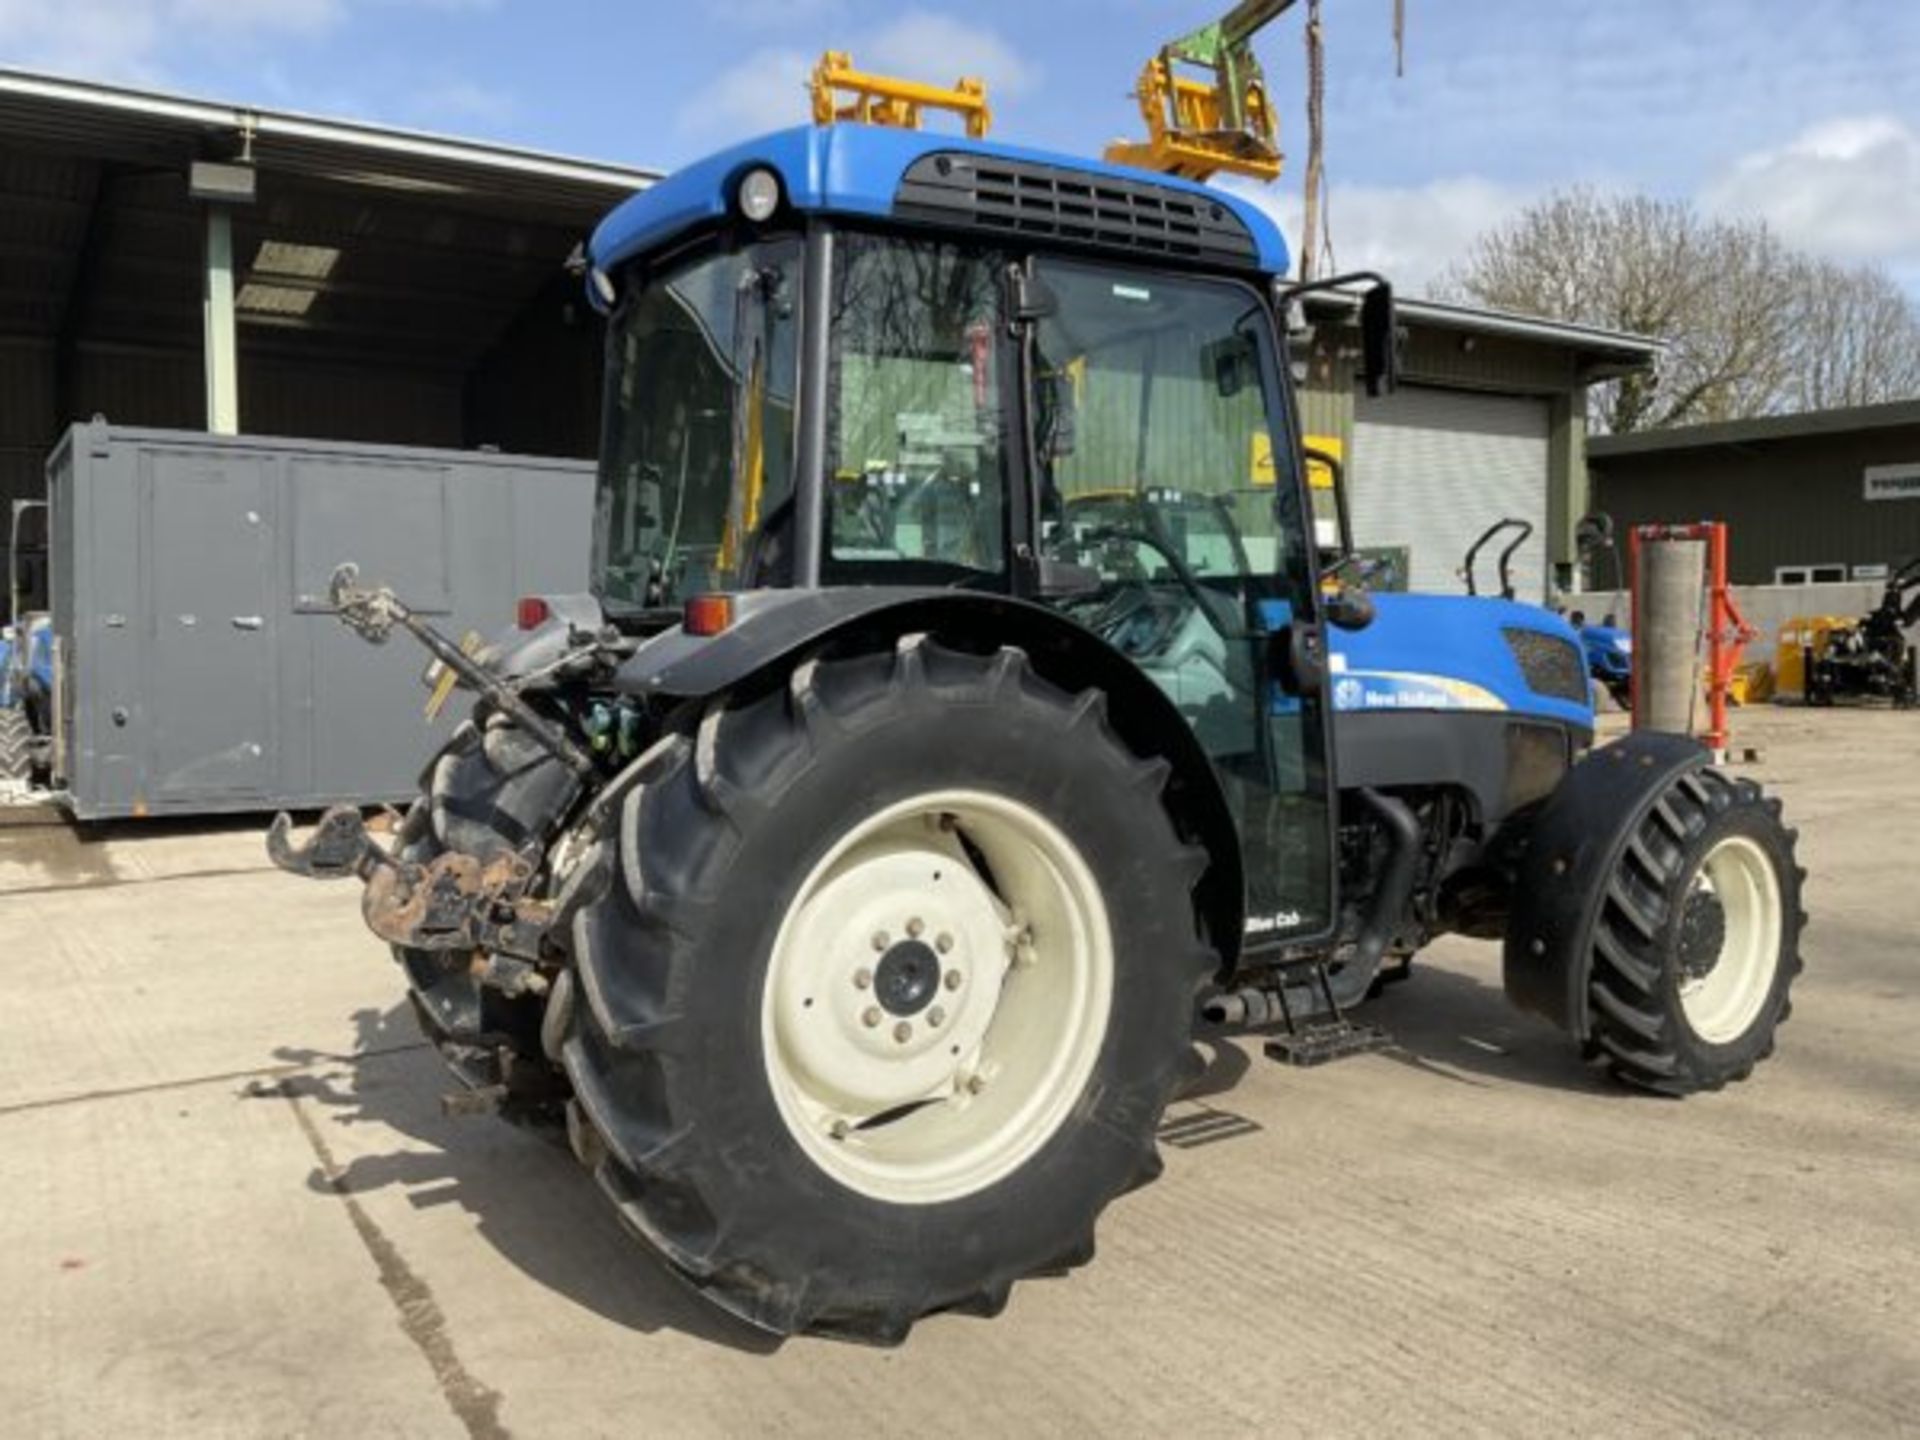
{"x":248,"y":622}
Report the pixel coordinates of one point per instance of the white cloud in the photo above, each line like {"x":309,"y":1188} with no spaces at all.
{"x":1847,"y":188}
{"x":765,"y":91}
{"x":768,"y":89}
{"x":1410,"y":234}
{"x":133,"y":39}
{"x":937,"y":48}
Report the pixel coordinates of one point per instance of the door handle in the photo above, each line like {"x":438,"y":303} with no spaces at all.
{"x":249,"y":622}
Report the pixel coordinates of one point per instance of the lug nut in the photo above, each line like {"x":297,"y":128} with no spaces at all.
{"x":955,"y":979}
{"x":936,"y":1017}
{"x":879,"y":939}
{"x":943,"y":942}
{"x":903,"y":1032}
{"x":871,"y":1017}
{"x":915,"y":928}
{"x":838,"y":1130}
{"x":862,"y":979}
{"x":976,"y":1083}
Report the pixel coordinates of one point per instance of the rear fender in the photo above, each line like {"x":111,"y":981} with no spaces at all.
{"x":1573,"y":845}
{"x":772,"y":629}
{"x":515,"y":654}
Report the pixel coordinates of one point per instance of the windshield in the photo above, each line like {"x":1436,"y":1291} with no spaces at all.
{"x":696,"y":458}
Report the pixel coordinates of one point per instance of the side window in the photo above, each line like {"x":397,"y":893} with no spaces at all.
{"x":916,"y":433}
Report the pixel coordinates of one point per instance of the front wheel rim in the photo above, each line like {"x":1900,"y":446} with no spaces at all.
{"x":1722,"y":1004}
{"x":937,"y":996}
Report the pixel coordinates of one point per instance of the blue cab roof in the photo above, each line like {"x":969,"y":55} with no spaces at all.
{"x":854,"y":170}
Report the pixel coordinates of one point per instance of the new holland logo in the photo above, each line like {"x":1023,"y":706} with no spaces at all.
{"x":1399,"y":690}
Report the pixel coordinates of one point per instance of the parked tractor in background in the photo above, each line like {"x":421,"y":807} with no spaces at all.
{"x":26,"y":669}
{"x":1832,"y":659}
{"x":961,"y":708}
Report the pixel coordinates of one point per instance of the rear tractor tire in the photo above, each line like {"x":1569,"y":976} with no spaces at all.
{"x":878,"y":995}
{"x":1698,"y":939}
{"x":491,"y":789}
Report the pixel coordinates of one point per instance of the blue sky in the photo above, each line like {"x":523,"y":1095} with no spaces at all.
{"x":1803,"y":112}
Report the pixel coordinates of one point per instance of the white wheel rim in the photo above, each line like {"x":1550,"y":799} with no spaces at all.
{"x":1723,"y":1003}
{"x":914,"y":1098}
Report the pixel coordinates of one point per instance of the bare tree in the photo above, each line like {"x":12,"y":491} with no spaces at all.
{"x":1856,"y":338}
{"x":1755,"y":328}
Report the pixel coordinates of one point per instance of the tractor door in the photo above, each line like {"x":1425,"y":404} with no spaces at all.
{"x":1163,"y":473}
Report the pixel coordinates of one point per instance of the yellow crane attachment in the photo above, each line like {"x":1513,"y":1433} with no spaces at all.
{"x":844,"y":94}
{"x":1205,"y":102}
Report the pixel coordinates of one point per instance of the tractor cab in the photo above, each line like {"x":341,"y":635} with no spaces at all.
{"x":851,"y":357}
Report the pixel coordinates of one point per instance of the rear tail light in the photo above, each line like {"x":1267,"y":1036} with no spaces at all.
{"x":532,"y":612}
{"x":707,"y":614}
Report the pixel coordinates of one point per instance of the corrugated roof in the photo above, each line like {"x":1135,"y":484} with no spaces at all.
{"x":100,"y":118}
{"x":1616,"y":351}
{"x":1767,"y":427}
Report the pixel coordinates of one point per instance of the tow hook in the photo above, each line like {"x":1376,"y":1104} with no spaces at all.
{"x":453,"y":902}
{"x":339,"y":847}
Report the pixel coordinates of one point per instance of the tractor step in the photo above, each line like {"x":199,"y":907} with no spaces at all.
{"x":1330,"y":1035}
{"x":1318,"y":1044}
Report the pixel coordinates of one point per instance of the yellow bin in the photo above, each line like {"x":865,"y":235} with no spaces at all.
{"x":1798,"y":636}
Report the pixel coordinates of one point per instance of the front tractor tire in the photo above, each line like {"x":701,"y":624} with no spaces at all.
{"x":1698,"y":941}
{"x":882,"y":988}
{"x":1657,"y":916}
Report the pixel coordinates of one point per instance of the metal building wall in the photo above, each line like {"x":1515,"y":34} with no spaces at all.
{"x":1450,"y":359}
{"x":1793,"y":501}
{"x":1433,"y":468}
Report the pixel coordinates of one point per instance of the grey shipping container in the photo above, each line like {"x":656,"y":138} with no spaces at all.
{"x":200,"y":667}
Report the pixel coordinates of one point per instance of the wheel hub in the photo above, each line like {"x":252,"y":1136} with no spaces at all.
{"x":1729,"y":940}
{"x":907,"y":978}
{"x":928,"y":1026}
{"x":1703,"y":934}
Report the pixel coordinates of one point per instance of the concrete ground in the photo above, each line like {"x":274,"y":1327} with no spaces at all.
{"x":229,"y":1204}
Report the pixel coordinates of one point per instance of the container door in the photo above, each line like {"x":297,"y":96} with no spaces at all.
{"x":209,"y":564}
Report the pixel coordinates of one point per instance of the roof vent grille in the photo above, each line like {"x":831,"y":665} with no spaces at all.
{"x":1056,"y":203}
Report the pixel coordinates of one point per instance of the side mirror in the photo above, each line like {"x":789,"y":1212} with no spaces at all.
{"x":1348,"y":609}
{"x":1380,"y":340}
{"x":1234,"y":364}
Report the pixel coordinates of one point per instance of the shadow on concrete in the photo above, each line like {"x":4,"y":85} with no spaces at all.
{"x":529,"y":1198}
{"x":533,"y":1203}
{"x":1465,"y":1027}
{"x":1453,"y":1026}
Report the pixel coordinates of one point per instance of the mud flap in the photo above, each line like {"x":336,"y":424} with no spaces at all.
{"x":1573,"y":846}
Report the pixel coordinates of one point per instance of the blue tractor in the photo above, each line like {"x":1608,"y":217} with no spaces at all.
{"x":26,"y":669}
{"x":1608,"y":649}
{"x":962,"y":713}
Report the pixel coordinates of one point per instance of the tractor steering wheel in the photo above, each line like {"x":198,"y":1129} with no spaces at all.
{"x":1203,"y":598}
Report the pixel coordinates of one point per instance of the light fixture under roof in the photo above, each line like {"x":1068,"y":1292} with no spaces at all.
{"x":256,"y":298}
{"x":303,"y":262}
